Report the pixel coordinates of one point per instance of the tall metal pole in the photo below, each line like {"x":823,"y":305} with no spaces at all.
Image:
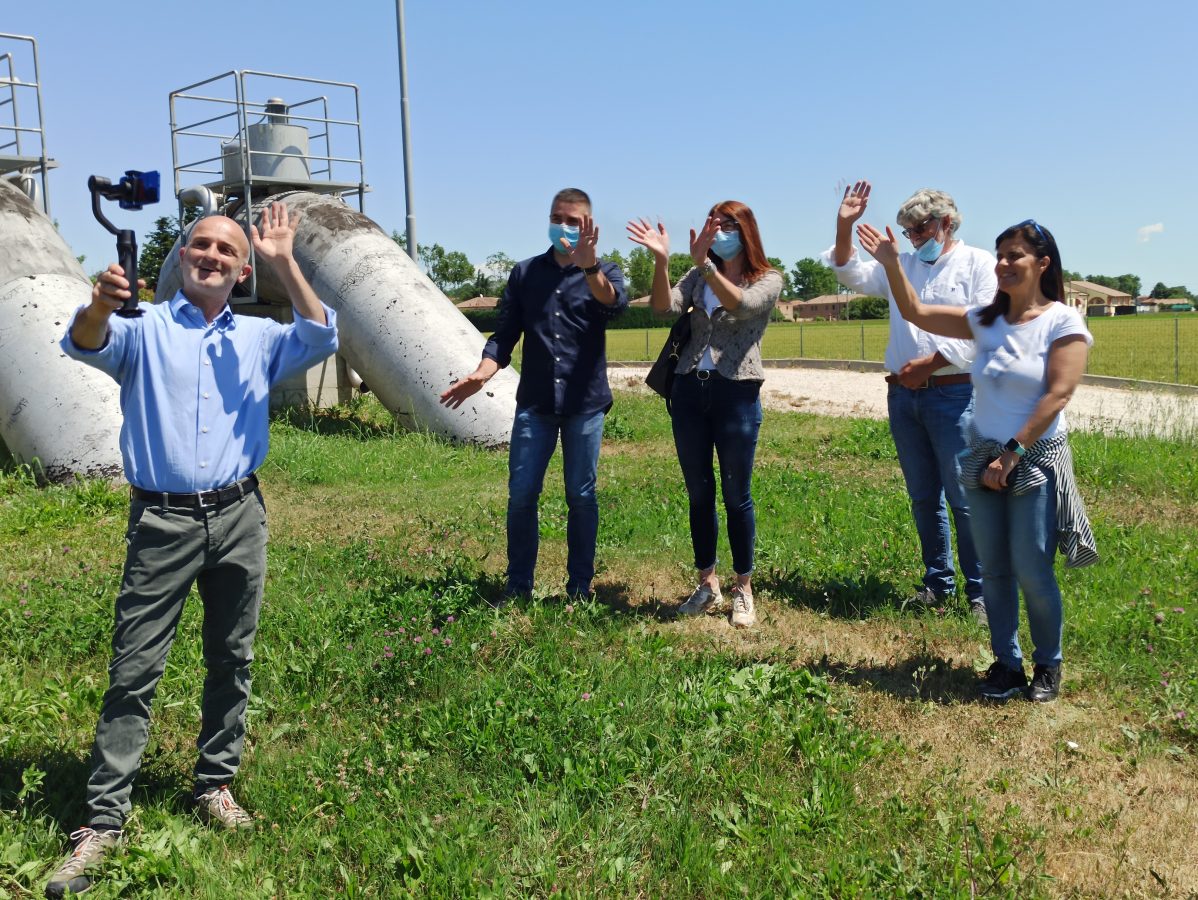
{"x":407,"y":130}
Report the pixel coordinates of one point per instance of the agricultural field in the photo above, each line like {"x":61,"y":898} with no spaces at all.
{"x":407,"y":740}
{"x":1155,"y":347}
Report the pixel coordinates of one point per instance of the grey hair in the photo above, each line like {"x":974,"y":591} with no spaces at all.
{"x":926,"y":203}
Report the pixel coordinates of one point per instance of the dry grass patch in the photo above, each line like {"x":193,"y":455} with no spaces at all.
{"x":1118,"y":812}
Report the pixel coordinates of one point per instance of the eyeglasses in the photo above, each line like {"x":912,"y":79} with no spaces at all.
{"x":917,"y":230}
{"x":729,"y":225}
{"x":1035,"y":225}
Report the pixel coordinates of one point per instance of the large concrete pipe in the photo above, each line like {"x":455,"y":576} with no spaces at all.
{"x":55,"y":414}
{"x":398,"y":330}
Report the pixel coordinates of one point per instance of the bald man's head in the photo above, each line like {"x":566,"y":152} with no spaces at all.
{"x":214,"y":259}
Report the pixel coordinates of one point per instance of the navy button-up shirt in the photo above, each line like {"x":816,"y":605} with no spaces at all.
{"x":564,"y":366}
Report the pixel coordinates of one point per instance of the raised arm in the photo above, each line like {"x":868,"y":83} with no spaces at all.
{"x":90,"y":328}
{"x":274,"y":239}
{"x":657,"y":242}
{"x":949,"y":321}
{"x":852,"y":207}
{"x":583,"y":254}
{"x":725,"y":291}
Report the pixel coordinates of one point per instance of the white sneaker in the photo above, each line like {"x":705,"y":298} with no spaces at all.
{"x":743,"y":615}
{"x":216,"y":806}
{"x":702,"y":600}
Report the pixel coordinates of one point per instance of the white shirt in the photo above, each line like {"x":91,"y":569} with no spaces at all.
{"x":710,"y":304}
{"x":1010,"y":374}
{"x":964,"y":276}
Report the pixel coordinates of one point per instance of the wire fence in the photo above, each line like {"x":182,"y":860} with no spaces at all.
{"x":1148,"y":347}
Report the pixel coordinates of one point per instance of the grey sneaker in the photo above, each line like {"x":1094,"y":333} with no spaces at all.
{"x":925,"y":596}
{"x":743,"y":614}
{"x":90,"y":848}
{"x":977,"y":611}
{"x":704,"y":599}
{"x":216,"y":806}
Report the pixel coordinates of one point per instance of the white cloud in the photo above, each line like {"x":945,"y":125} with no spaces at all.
{"x":1147,"y":231}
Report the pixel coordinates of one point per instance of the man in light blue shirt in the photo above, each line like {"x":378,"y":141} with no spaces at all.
{"x":195,"y":392}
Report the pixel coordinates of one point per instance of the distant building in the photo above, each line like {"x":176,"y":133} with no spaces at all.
{"x":1091,"y":299}
{"x":478,"y":303}
{"x":639,"y":301}
{"x":828,"y":306}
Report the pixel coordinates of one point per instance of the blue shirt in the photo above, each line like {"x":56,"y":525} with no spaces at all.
{"x":563,"y":370}
{"x":196,"y":396}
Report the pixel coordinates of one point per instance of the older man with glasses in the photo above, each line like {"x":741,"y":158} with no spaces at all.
{"x":930,"y":393}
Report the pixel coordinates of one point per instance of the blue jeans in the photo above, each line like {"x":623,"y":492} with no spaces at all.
{"x":724,"y":415}
{"x":927,"y":429}
{"x":1016,"y":536}
{"x":534,"y":438}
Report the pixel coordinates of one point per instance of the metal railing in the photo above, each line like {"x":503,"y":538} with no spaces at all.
{"x":221,"y":114}
{"x":1161,"y":347}
{"x":15,"y":159}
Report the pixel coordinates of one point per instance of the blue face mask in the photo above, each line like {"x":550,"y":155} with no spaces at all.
{"x":931,"y":250}
{"x":726,"y":244}
{"x":556,"y":232}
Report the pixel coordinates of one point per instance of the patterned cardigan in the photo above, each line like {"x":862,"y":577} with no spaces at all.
{"x":734,"y":337}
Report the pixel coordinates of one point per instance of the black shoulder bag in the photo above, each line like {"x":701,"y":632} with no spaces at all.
{"x":661,"y":373}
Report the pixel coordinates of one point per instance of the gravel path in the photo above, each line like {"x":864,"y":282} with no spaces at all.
{"x":837,"y":392}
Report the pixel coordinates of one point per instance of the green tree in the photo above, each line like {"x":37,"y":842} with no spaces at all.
{"x":811,"y":278}
{"x":499,"y":265}
{"x":158,"y":245}
{"x":868,"y":308}
{"x":448,"y":269}
{"x":787,"y":286}
{"x":1178,"y":292}
{"x":1071,"y":276}
{"x":1129,"y":284}
{"x":639,"y":272}
{"x":614,"y":256}
{"x":680,"y":264}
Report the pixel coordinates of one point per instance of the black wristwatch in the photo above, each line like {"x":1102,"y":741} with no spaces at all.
{"x":591,"y":270}
{"x":1013,"y":446}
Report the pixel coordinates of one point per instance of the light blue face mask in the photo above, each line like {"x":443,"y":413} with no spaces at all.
{"x":557,"y":232}
{"x":931,"y":250}
{"x":726,"y":244}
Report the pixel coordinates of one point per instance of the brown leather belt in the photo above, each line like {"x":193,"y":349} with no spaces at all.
{"x":933,"y":380}
{"x":201,"y":500}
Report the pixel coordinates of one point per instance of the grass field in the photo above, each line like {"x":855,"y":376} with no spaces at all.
{"x":408,"y":741}
{"x":1157,"y":347}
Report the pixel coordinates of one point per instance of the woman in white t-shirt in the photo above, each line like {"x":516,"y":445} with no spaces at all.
{"x":714,"y":402}
{"x":1018,"y":473}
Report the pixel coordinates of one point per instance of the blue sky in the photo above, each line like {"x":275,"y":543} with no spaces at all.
{"x":1079,"y":114}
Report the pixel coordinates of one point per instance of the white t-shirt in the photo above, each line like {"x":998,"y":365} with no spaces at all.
{"x":1010,"y":373}
{"x":964,"y":276}
{"x":710,"y":303}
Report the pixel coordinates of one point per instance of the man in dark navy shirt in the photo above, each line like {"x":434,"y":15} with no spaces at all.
{"x":561,"y":302}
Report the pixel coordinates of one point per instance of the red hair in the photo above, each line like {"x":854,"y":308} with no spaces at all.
{"x":755,"y":264}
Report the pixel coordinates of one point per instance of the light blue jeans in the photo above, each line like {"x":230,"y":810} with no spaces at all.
{"x":534,"y":438}
{"x":1017,"y":538}
{"x":927,"y":428}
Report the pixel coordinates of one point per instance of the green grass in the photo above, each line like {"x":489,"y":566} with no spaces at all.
{"x":405,"y":740}
{"x":1151,"y":347}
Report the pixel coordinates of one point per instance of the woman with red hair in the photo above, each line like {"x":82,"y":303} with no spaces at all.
{"x":714,"y":404}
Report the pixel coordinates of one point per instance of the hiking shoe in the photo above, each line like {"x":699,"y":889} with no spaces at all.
{"x":1002,"y":683}
{"x":1046,"y":684}
{"x":216,"y":806}
{"x":90,"y":848}
{"x":704,"y":599}
{"x":977,"y":612}
{"x":925,"y":596}
{"x":743,"y":614}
